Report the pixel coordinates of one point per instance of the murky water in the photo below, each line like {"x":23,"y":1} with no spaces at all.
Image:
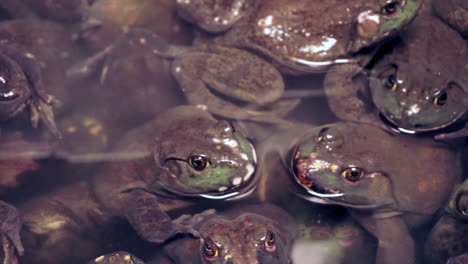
{"x":107,"y":79}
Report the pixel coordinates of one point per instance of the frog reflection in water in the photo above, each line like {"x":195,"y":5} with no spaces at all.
{"x":390,"y":184}
{"x":449,"y":237}
{"x":254,"y":234}
{"x":168,"y":164}
{"x":416,"y":87}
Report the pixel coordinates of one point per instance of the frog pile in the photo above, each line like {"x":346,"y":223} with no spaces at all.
{"x":235,"y":132}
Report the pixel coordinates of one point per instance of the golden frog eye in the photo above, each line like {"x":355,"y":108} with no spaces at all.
{"x":391,"y":82}
{"x":390,"y":8}
{"x":321,"y":135}
{"x":210,"y":250}
{"x":199,"y":162}
{"x":353,"y":174}
{"x":270,"y":241}
{"x":440,"y":99}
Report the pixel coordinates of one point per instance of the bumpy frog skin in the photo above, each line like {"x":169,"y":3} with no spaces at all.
{"x":303,"y":35}
{"x":258,"y":234}
{"x":120,"y":257}
{"x":414,"y":86}
{"x":21,"y":87}
{"x":449,"y":236}
{"x":183,"y":154}
{"x":363,"y":167}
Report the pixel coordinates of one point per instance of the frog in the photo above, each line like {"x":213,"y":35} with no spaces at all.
{"x":407,"y":90}
{"x":70,"y":12}
{"x":105,"y":20}
{"x":11,"y":224}
{"x":390,"y":183}
{"x":247,"y":233}
{"x":172,"y":163}
{"x":285,"y":38}
{"x":119,"y":257}
{"x":454,"y":13}
{"x":448,"y":238}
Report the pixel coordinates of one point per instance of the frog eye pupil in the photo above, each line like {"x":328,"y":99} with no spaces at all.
{"x":461,"y":203}
{"x":353,"y":174}
{"x":392,"y":82}
{"x":390,"y":8}
{"x":199,"y":163}
{"x":210,"y":249}
{"x":270,"y":241}
{"x":441,"y":99}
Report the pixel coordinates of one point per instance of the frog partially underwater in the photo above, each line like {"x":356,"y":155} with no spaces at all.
{"x":246,"y":234}
{"x":183,"y":157}
{"x":449,"y":237}
{"x":414,"y":86}
{"x":390,"y":183}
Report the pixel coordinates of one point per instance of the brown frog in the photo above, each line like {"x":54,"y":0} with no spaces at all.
{"x":253,"y":234}
{"x":175,"y":162}
{"x":390,"y":183}
{"x":296,"y":36}
{"x":454,"y":13}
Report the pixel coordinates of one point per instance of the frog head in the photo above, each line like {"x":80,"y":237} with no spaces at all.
{"x":418,"y":102}
{"x":336,"y":166}
{"x":14,"y":88}
{"x":213,"y":161}
{"x":248,"y":239}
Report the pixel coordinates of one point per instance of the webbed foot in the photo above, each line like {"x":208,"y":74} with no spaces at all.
{"x":10,"y":228}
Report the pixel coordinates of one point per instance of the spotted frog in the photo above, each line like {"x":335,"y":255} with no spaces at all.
{"x":253,"y":234}
{"x":360,"y":167}
{"x":293,"y":36}
{"x":170,"y":164}
{"x":413,"y":86}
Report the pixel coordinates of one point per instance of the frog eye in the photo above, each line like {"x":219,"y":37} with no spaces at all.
{"x":391,"y":82}
{"x":353,"y":174}
{"x":199,"y":162}
{"x":321,"y":135}
{"x":390,"y":8}
{"x":461,"y":203}
{"x":6,"y":96}
{"x":210,"y":250}
{"x":270,"y":242}
{"x":440,"y":99}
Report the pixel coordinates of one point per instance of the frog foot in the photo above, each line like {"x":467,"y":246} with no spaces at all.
{"x":10,"y":232}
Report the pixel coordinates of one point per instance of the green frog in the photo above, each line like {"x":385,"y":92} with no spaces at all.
{"x":360,"y":167}
{"x":173,"y":163}
{"x":454,"y":13}
{"x":413,"y":86}
{"x":120,"y":257}
{"x":449,"y":237}
{"x":248,"y":234}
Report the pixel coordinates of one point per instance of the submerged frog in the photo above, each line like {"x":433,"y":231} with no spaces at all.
{"x":389,"y":183}
{"x":254,"y":234}
{"x":415,"y":87}
{"x":120,"y":257}
{"x":453,"y":12}
{"x":172,"y":163}
{"x":449,"y":237}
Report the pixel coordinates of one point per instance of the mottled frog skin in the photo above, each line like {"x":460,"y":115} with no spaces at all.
{"x":389,"y":183}
{"x":254,"y":234}
{"x":454,"y":13}
{"x":415,"y":86}
{"x":297,"y":36}
{"x":174,"y":162}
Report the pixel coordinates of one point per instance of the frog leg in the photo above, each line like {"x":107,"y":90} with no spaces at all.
{"x":213,"y":16}
{"x":232,"y":73}
{"x":10,"y":228}
{"x":462,"y":133}
{"x":41,"y":105}
{"x":150,"y":221}
{"x":345,"y":86}
{"x":454,"y":13}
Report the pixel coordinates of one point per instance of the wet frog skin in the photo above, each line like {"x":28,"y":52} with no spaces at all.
{"x":284,"y":32}
{"x":449,"y":236}
{"x":414,"y":86}
{"x":389,"y":183}
{"x":254,"y":234}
